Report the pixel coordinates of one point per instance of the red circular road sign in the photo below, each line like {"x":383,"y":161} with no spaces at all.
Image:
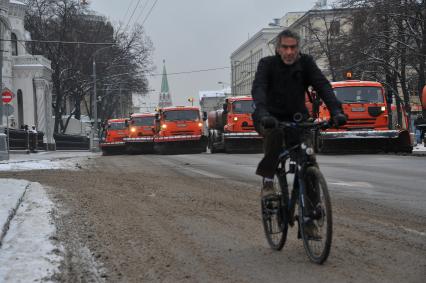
{"x":6,"y":96}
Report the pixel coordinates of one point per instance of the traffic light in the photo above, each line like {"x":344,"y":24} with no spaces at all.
{"x":191,"y":99}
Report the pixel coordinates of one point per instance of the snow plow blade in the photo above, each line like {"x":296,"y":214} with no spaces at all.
{"x":140,"y":144}
{"x":110,"y":148}
{"x":184,"y":144}
{"x":365,"y":141}
{"x":243,"y":142}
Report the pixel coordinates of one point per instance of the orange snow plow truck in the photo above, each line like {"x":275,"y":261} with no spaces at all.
{"x":231,"y":128}
{"x":369,"y":127}
{"x":179,"y":129}
{"x":140,"y":138}
{"x":112,"y":142}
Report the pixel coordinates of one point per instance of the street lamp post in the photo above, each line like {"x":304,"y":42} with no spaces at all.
{"x":94,"y":144}
{"x":95,"y":139}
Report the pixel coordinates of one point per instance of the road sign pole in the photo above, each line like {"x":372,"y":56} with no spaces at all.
{"x":7,"y":127}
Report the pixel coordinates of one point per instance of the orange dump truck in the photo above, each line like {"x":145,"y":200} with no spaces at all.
{"x":114,"y":133}
{"x":368,"y":127}
{"x":231,"y":128}
{"x":179,"y":129}
{"x":420,"y":122}
{"x":140,"y":137}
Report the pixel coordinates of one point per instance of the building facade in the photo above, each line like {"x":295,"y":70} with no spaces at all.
{"x":26,"y":75}
{"x":245,"y":58}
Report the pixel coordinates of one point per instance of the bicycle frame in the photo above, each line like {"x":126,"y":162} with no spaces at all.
{"x":301,"y":160}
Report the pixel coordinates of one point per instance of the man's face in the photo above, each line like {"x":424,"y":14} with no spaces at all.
{"x":288,"y":50}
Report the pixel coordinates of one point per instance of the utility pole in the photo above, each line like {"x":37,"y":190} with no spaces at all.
{"x":1,"y":76}
{"x":95,"y":140}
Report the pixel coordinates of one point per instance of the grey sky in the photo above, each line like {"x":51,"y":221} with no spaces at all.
{"x":197,"y":34}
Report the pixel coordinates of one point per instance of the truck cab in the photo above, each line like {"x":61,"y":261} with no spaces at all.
{"x":179,"y":128}
{"x":238,"y":114}
{"x":140,"y":138}
{"x":115,"y":130}
{"x":364,"y":103}
{"x":369,"y":126}
{"x":232,"y":129}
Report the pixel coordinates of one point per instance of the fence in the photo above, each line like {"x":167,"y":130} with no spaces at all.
{"x":71,"y":142}
{"x":25,"y":140}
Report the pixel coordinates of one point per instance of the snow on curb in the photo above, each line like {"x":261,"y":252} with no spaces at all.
{"x":69,"y":164}
{"x":28,"y":253}
{"x":9,"y":196}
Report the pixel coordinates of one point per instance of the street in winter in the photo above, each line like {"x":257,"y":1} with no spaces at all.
{"x":196,"y":218}
{"x":221,"y":141}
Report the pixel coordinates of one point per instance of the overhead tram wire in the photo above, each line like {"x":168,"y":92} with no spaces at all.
{"x":133,"y":13}
{"x":61,"y":42}
{"x":149,"y":13}
{"x":128,"y":9}
{"x":157,"y":75}
{"x":143,"y":9}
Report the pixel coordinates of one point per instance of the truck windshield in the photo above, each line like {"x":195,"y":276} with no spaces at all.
{"x":354,"y":94}
{"x":143,"y":121}
{"x":244,"y":106}
{"x":181,"y":115}
{"x":117,"y":126}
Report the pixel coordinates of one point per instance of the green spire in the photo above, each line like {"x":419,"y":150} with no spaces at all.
{"x":164,"y":82}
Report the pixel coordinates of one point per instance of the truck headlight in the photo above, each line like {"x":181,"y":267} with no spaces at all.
{"x":235,"y":119}
{"x":200,"y":124}
{"x":133,"y":129}
{"x":164,"y":126}
{"x":383,"y":108}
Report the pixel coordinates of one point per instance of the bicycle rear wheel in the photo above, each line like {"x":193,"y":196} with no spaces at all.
{"x":274,"y":216}
{"x":317,"y":246}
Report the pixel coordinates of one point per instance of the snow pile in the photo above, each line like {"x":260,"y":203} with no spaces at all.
{"x":27,"y":253}
{"x":70,"y":164}
{"x":419,"y":147}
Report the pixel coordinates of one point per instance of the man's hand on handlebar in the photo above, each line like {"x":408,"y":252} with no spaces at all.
{"x":339,"y":119}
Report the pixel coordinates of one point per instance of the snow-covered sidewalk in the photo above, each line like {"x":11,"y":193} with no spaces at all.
{"x":46,"y":160}
{"x":28,"y":249}
{"x":28,"y":252}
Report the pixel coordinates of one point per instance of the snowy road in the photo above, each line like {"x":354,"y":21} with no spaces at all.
{"x":195,"y":218}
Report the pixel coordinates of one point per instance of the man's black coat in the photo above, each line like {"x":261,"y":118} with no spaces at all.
{"x":279,"y":89}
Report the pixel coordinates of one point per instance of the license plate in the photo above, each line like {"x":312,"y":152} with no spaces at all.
{"x":181,"y":125}
{"x":358,"y":109}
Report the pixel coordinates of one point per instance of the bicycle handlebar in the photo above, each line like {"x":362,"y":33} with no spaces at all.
{"x":306,"y":125}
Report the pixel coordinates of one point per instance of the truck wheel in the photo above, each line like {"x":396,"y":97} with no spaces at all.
{"x":213,"y":149}
{"x":211,"y":146}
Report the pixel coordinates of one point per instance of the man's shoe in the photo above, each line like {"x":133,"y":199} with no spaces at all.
{"x":268,"y":189}
{"x":311,"y":230}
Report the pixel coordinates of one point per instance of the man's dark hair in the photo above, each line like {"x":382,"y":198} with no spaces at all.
{"x":286,"y":33}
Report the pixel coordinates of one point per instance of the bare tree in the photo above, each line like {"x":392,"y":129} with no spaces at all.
{"x":124,"y":59}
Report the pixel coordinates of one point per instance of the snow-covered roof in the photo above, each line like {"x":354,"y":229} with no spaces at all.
{"x":214,"y":93}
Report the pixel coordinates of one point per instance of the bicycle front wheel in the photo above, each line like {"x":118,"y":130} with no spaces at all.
{"x":315,"y":216}
{"x":274,"y":215}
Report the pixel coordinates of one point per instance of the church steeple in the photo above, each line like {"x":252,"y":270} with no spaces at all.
{"x":165,"y":98}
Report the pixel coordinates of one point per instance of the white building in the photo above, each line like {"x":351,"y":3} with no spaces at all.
{"x":27,"y":76}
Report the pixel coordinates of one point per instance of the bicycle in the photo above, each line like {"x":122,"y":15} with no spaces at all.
{"x":278,"y":210}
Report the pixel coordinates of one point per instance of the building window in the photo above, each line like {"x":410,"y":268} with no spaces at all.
{"x":14,"y":41}
{"x":334,"y":28}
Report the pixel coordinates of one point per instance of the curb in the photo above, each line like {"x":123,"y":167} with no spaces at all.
{"x":12,"y":214}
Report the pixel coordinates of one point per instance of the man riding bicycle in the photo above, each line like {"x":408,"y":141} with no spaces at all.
{"x":278,"y":92}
